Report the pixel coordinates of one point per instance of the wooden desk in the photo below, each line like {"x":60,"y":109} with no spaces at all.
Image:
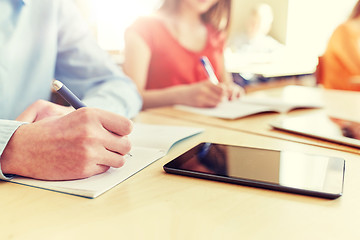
{"x":156,"y":205}
{"x":338,"y":103}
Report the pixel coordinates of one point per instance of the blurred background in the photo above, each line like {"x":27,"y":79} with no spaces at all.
{"x":302,"y":23}
{"x":302,"y":26}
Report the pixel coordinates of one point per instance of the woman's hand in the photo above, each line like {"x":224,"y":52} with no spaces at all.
{"x":202,"y":94}
{"x":233,"y":90}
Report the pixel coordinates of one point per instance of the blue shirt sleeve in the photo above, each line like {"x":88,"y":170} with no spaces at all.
{"x":59,"y":44}
{"x":7,"y":129}
{"x":88,"y":70}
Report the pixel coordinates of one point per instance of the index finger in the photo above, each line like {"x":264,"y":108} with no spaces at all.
{"x":115,"y":123}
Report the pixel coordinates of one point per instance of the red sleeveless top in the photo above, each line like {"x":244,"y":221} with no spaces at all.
{"x":172,"y":64}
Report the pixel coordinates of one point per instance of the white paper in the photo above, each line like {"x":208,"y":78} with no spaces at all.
{"x":247,"y":106}
{"x":150,"y":143}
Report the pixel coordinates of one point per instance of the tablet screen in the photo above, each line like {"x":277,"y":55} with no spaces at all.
{"x":296,"y":172}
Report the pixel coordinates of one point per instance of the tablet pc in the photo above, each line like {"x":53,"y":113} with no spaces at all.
{"x":294,"y":172}
{"x":322,"y":126}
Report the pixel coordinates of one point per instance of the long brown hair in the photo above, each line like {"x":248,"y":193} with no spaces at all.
{"x":218,"y":15}
{"x":356,"y":11}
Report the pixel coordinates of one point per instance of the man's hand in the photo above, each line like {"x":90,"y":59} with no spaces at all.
{"x":77,"y":145}
{"x":42,"y":109}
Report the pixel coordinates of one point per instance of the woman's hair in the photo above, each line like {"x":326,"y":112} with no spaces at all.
{"x":218,"y":15}
{"x":356,"y":11}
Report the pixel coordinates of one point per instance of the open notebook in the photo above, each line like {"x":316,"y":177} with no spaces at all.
{"x":150,"y":142}
{"x":247,"y":106}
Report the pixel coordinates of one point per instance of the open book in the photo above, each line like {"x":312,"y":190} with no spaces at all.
{"x":150,"y":142}
{"x":247,"y":106}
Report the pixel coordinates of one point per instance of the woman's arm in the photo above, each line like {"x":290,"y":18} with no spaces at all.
{"x":136,"y":66}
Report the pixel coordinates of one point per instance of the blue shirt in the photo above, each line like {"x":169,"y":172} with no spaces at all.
{"x":42,"y":40}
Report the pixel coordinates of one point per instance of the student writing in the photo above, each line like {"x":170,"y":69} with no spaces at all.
{"x":163,"y":52}
{"x":42,"y":40}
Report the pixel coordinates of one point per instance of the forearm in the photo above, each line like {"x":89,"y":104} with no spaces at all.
{"x":162,"y":97}
{"x":202,"y":94}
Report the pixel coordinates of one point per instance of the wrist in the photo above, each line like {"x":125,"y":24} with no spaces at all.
{"x":10,"y":155}
{"x":177,"y":94}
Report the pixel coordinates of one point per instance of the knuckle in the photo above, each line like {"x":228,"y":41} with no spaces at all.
{"x":87,"y":141}
{"x":80,"y":134}
{"x":41,"y":102}
{"x":85,"y":154}
{"x":86,"y":115}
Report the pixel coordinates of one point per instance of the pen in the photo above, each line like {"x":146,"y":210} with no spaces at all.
{"x":209,"y":69}
{"x":70,"y":97}
{"x":67,"y":95}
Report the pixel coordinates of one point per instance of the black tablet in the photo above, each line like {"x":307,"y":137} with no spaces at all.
{"x":295,"y":172}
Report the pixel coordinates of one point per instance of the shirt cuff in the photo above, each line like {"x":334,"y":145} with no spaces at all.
{"x":7,"y":129}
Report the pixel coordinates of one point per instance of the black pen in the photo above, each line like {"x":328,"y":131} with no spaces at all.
{"x":70,"y":97}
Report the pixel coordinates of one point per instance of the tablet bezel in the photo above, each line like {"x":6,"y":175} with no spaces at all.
{"x":171,"y":167}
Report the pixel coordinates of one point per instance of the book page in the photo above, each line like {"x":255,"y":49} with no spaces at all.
{"x":150,"y":143}
{"x":228,"y":109}
{"x":282,"y":105}
{"x":160,"y":136}
{"x":93,"y":186}
{"x":247,"y":106}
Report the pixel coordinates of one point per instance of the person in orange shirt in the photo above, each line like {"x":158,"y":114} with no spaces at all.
{"x":163,"y":51}
{"x":341,"y":61}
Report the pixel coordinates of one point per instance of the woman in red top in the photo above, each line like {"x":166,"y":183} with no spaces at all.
{"x":163,"y":51}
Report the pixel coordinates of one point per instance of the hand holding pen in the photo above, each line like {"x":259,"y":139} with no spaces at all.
{"x":74,"y":101}
{"x":212,"y":76}
{"x":203,"y":94}
{"x":233,"y":91}
{"x":66,"y":145}
{"x":69,"y":96}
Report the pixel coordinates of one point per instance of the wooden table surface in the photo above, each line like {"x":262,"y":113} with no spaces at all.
{"x":155,"y":205}
{"x":337,"y":103}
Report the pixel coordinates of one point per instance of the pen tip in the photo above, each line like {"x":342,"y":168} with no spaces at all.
{"x":57,"y":85}
{"x":204,"y":60}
